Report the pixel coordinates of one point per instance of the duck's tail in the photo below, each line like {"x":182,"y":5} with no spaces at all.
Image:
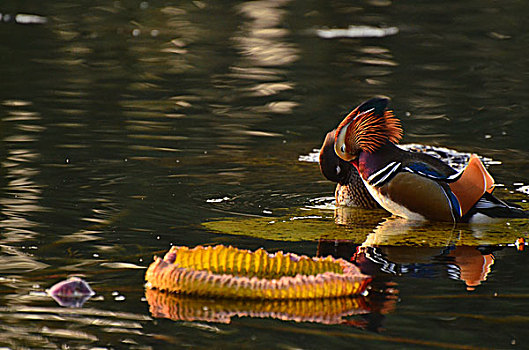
{"x":491,"y":207}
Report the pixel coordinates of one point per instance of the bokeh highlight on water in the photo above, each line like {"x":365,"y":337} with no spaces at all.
{"x":128,"y":126}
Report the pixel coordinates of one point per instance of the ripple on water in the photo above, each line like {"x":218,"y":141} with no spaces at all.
{"x":58,"y":325}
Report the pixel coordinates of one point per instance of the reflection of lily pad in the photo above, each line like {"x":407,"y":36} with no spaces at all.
{"x":370,"y":228}
{"x":185,"y":308}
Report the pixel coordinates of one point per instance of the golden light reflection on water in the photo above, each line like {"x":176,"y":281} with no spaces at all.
{"x":21,"y":193}
{"x":158,"y":125}
{"x":20,"y":197}
{"x":272,"y":88}
{"x":57,"y":327}
{"x":262,"y":45}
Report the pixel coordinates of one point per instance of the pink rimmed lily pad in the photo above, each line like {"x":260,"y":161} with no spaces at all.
{"x":73,"y":292}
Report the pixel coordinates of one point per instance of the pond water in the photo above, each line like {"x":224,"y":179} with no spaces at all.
{"x":130,"y":126}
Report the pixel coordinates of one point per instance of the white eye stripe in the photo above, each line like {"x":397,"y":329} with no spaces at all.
{"x":364,"y":113}
{"x":338,"y":169}
{"x":342,"y":149}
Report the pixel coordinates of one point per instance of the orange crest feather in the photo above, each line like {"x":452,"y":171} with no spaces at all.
{"x":369,"y":131}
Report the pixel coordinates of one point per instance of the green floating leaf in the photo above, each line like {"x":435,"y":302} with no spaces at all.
{"x":302,"y":225}
{"x":370,"y":228}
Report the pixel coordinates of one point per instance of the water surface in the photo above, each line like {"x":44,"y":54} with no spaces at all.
{"x":131,"y":126}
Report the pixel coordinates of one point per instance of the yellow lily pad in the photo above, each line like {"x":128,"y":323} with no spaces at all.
{"x":228,"y":272}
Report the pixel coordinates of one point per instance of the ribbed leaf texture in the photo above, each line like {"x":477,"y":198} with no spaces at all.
{"x":229,"y":272}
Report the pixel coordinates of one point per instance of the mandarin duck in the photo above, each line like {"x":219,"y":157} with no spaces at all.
{"x":412,"y":185}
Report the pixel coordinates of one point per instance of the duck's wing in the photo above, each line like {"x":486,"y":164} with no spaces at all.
{"x":415,"y":188}
{"x":416,"y":196}
{"x":468,"y":185}
{"x":433,"y":178}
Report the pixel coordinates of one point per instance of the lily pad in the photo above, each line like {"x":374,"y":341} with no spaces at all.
{"x":368,"y":227}
{"x":301,"y":225}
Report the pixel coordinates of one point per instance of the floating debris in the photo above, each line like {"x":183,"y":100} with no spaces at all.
{"x":229,"y":272}
{"x":73,"y":292}
{"x":357,"y":32}
{"x":23,"y":18}
{"x":217,"y":200}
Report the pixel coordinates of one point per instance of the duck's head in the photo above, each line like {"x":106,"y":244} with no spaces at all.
{"x":331,"y":166}
{"x":366,"y":129}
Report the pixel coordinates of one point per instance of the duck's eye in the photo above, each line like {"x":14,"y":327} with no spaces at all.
{"x":342,"y":149}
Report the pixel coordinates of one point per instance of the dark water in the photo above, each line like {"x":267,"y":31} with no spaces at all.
{"x":124,"y":124}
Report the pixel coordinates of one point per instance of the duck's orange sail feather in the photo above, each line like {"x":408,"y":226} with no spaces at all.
{"x":472,"y":184}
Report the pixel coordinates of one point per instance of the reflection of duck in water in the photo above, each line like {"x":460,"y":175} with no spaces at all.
{"x":464,"y":263}
{"x":394,"y":248}
{"x":471,"y":265}
{"x":387,"y":247}
{"x":408,"y":184}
